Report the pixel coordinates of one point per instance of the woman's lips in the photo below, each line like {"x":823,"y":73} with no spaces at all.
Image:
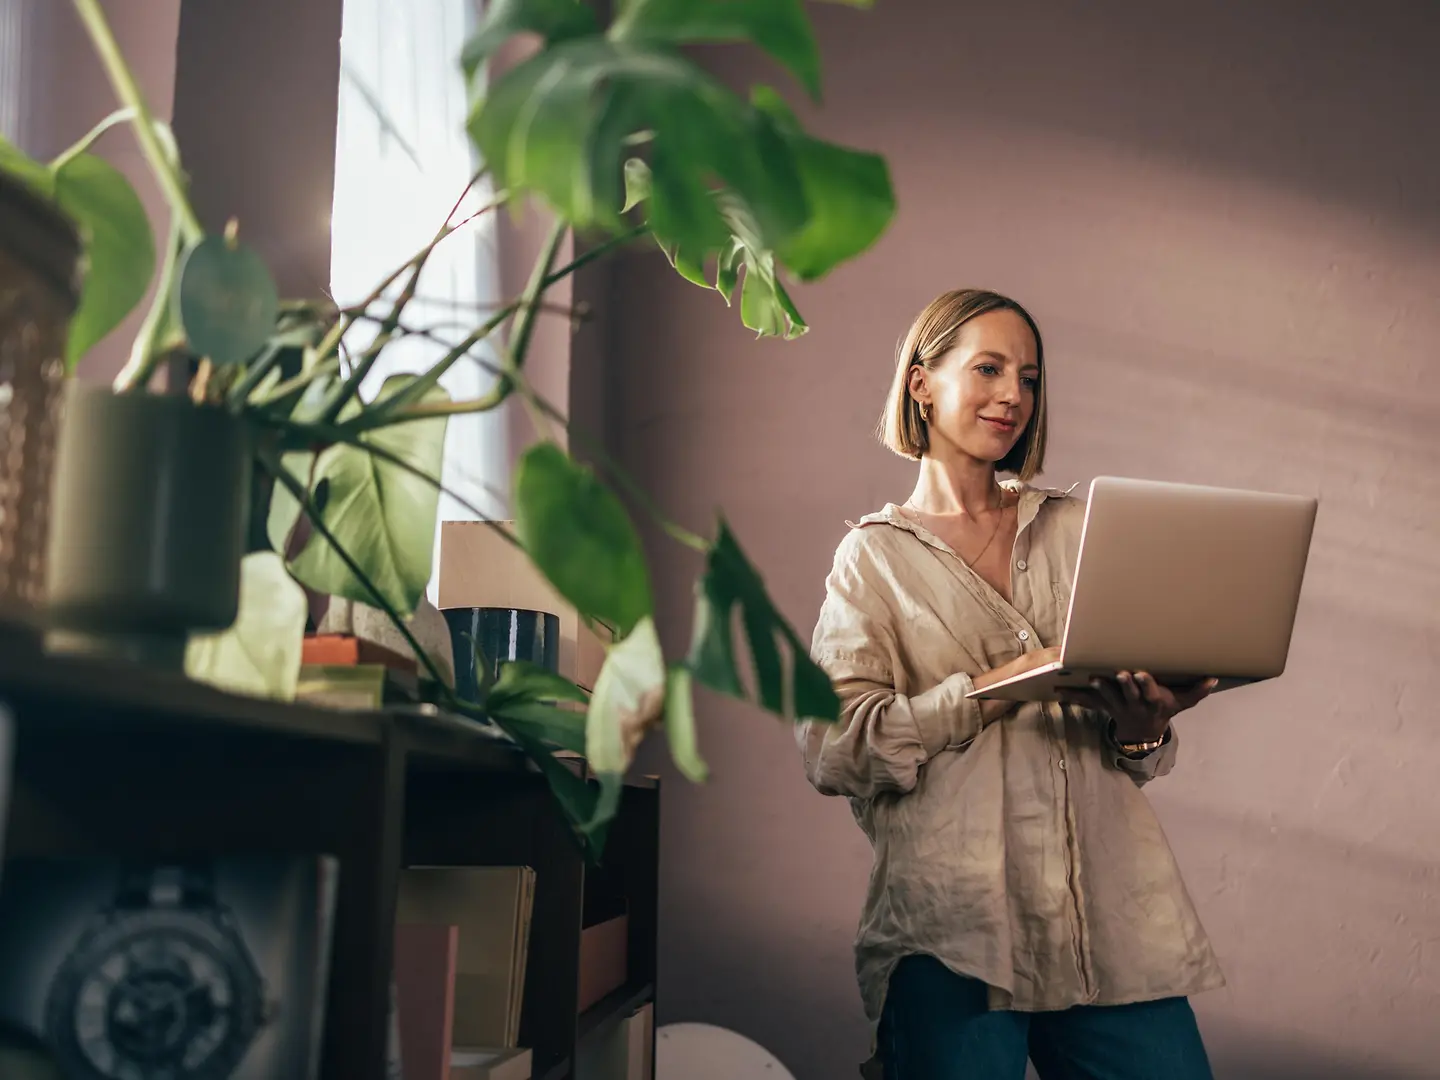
{"x":1007,"y":426}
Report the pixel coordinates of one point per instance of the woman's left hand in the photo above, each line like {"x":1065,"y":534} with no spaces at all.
{"x":1141,"y":707}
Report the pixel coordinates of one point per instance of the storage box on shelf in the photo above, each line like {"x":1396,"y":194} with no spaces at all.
{"x":113,"y":761}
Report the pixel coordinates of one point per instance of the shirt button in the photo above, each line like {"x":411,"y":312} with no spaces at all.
{"x":1062,"y":764}
{"x":1024,"y":635}
{"x":1022,"y":565}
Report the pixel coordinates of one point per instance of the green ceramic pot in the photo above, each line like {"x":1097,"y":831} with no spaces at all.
{"x":148,"y":525}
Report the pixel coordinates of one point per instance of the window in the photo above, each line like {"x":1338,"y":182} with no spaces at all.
{"x":401,"y":159}
{"x":20,"y":41}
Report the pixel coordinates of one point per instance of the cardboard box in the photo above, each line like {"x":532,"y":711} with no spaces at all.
{"x":604,"y":959}
{"x":480,"y":568}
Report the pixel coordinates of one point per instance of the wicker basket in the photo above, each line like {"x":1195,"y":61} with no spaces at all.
{"x":39,"y":275}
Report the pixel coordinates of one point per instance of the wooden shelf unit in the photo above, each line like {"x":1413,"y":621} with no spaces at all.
{"x":115,"y":761}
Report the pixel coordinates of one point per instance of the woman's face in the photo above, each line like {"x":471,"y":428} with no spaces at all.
{"x":982,"y":392}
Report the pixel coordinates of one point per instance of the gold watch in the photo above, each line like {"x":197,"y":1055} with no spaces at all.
{"x":1139,"y":748}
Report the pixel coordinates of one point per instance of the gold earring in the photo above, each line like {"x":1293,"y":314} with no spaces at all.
{"x":925,"y":411}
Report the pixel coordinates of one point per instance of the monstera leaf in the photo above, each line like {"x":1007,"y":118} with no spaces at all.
{"x":527,"y":698}
{"x":579,"y":799}
{"x":381,"y":513}
{"x":765,"y":306}
{"x":780,"y":27}
{"x":562,"y":124}
{"x":629,"y":701}
{"x":729,"y":184}
{"x":553,"y":20}
{"x":579,"y":535}
{"x":848,"y":193}
{"x":260,"y":653}
{"x":731,"y":584}
{"x":850,"y":201}
{"x":680,"y":725}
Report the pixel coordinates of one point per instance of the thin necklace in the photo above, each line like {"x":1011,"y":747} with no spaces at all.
{"x":993,"y":533}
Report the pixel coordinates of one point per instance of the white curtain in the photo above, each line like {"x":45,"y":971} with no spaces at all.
{"x":22,"y":40}
{"x":401,"y":160}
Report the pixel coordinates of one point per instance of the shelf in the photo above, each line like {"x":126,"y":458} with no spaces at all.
{"x":117,"y":760}
{"x":82,"y":694}
{"x":612,"y":1008}
{"x":436,"y":741}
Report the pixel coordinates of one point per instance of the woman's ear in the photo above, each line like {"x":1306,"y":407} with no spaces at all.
{"x":917,"y":383}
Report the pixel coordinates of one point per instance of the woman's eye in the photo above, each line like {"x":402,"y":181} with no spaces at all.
{"x":1030,"y":381}
{"x":987,"y":369}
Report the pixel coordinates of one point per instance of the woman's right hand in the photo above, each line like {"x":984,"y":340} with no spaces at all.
{"x":993,"y":710}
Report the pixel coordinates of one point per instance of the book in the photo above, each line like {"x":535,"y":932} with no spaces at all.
{"x":491,"y":906}
{"x":348,"y":650}
{"x":130,"y":968}
{"x":480,"y":1063}
{"x":624,"y":1051}
{"x":355,"y":686}
{"x":425,"y":957}
{"x":640,"y":1042}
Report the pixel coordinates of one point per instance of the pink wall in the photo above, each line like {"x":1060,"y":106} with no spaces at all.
{"x":70,"y":94}
{"x":1227,"y":219}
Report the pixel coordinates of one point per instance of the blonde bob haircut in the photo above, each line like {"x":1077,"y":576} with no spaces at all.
{"x":932,"y":335}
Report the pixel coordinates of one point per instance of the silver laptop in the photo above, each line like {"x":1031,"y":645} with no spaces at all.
{"x":1181,"y":581}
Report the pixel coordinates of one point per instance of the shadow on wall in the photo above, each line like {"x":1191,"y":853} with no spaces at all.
{"x":1238,"y":1053}
{"x":790,"y":992}
{"x":1224,"y":220}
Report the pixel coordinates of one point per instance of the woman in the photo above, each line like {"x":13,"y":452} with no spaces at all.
{"x":1023,"y":900}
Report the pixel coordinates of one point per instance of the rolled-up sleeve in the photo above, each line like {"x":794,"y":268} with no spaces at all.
{"x":1144,"y":769}
{"x":883,"y":737}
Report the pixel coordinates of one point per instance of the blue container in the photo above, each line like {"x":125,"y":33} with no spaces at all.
{"x":501,"y":635}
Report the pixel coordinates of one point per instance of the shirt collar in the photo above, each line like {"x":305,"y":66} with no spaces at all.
{"x":1031,"y":499}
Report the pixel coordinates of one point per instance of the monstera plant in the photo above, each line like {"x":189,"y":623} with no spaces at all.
{"x":621,"y":137}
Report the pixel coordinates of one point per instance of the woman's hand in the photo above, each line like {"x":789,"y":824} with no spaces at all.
{"x":992,"y":710}
{"x":1141,"y":707}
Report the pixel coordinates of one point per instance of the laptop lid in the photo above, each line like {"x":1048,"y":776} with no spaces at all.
{"x":1186,"y":581}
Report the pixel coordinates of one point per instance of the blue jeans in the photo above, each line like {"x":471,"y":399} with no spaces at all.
{"x":937,"y":1026}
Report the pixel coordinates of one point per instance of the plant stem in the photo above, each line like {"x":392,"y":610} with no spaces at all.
{"x":539,"y":281}
{"x":282,"y":474}
{"x":119,"y":116}
{"x":598,"y":251}
{"x":406,"y":402}
{"x":385,"y":412}
{"x":129,"y":95}
{"x":342,"y":393}
{"x":337,"y":435}
{"x":374,"y":418}
{"x":290,"y":385}
{"x":147,"y":352}
{"x":528,"y":308}
{"x":415,"y":264}
{"x":255,"y":375}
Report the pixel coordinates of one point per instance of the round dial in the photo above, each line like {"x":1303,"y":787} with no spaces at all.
{"x":154,"y":996}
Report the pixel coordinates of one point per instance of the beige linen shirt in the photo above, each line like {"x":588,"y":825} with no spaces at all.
{"x":1021,"y":853}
